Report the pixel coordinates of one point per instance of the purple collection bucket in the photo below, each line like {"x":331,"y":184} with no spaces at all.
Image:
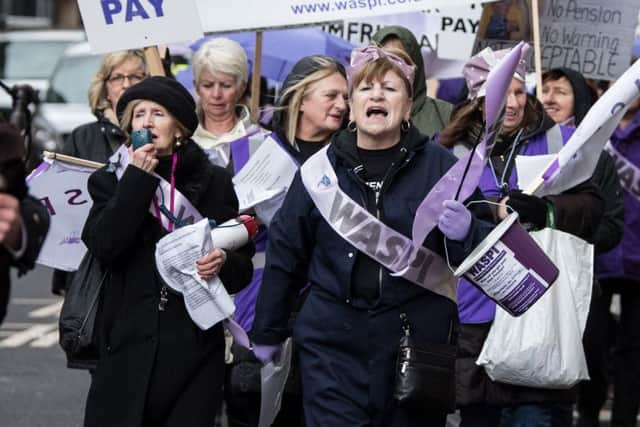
{"x":510,"y":267}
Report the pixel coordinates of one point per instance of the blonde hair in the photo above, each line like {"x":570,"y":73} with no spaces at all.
{"x":98,"y":101}
{"x":299,"y":90}
{"x":376,"y":70}
{"x":127,"y":119}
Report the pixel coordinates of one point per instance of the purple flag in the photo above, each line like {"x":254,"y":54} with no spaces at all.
{"x":445,"y":189}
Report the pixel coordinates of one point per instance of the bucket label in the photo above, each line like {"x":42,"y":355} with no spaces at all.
{"x":501,"y":276}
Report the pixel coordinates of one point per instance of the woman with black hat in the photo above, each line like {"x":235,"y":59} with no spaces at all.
{"x":312,"y":106}
{"x":156,"y":366}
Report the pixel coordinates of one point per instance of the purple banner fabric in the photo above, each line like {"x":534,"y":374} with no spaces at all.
{"x":245,"y":300}
{"x":431,"y":207}
{"x":240,"y":337}
{"x":37,"y":171}
{"x":240,"y":153}
{"x":241,"y":149}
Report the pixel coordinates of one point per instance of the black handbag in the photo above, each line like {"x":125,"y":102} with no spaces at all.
{"x":78,"y":314}
{"x":425,"y":376}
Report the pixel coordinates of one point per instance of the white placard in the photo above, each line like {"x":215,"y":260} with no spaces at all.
{"x":62,"y":188}
{"x":592,"y":37}
{"x":221,"y":16}
{"x":446,"y":35}
{"x":267,"y":174}
{"x":128,"y":24}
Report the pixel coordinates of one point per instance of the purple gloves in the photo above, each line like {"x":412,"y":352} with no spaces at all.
{"x":455,"y":221}
{"x":265,"y":353}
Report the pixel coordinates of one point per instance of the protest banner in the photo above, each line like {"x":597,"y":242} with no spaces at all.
{"x":504,"y":24}
{"x":62,"y":188}
{"x":446,"y":35}
{"x":589,"y":36}
{"x":127,"y":24}
{"x":286,"y":13}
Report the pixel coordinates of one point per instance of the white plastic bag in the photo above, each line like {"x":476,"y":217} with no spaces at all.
{"x":543,"y":347}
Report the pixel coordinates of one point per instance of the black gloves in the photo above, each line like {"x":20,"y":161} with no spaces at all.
{"x":531,"y":209}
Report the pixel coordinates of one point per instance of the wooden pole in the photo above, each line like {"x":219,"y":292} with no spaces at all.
{"x":154,"y":62}
{"x":537,"y":54}
{"x":255,"y":79}
{"x":73,"y":160}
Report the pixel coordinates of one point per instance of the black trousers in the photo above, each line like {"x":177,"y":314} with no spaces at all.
{"x":597,"y":339}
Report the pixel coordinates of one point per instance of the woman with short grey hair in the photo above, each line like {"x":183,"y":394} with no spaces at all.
{"x":220,"y":76}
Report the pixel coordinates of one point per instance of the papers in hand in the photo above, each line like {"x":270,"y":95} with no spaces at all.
{"x":273,"y":377}
{"x":264,"y":179}
{"x":207,"y":302}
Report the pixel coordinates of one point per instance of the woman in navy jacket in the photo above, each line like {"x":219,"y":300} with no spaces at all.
{"x":348,"y":330}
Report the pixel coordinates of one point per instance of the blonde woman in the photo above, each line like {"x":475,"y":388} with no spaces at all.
{"x":100,"y":139}
{"x":312,"y":107}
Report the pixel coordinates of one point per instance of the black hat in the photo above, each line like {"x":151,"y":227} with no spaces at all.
{"x":166,"y":92}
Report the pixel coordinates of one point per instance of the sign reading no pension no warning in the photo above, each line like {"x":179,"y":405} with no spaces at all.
{"x":221,"y":15}
{"x":126,"y":24}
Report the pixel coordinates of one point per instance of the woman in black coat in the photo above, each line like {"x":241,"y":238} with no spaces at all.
{"x":156,"y":367}
{"x":98,"y":140}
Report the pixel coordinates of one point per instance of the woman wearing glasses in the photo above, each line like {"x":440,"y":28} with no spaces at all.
{"x":98,"y":140}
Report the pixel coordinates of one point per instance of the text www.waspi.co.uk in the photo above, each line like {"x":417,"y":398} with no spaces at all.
{"x":338,"y":5}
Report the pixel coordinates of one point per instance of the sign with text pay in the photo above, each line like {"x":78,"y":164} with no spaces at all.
{"x":129,"y":24}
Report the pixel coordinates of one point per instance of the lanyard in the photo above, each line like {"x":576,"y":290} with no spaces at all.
{"x":502,"y":185}
{"x":174,"y":163}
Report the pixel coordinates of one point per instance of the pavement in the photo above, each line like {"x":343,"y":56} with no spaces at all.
{"x":36,"y":388}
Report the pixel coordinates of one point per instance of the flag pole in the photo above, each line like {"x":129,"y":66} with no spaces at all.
{"x":255,"y":79}
{"x":154,"y":61}
{"x":537,"y":54}
{"x":73,"y":160}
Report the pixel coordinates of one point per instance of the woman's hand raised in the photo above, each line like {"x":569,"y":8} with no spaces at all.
{"x":144,"y":157}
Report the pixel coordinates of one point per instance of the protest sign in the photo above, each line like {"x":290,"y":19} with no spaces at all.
{"x":126,"y":24}
{"x":589,"y":36}
{"x":446,"y":35}
{"x":504,"y":24}
{"x":62,"y":188}
{"x":233,"y":16}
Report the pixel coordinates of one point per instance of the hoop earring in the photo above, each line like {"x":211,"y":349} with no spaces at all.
{"x":351,"y":126}
{"x":405,"y":126}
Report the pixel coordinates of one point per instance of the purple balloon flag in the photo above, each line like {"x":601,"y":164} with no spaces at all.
{"x":431,"y":207}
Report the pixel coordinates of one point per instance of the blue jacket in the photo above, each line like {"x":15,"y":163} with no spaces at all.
{"x":303,"y":248}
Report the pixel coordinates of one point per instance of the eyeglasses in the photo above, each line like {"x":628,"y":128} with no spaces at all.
{"x":119,"y":78}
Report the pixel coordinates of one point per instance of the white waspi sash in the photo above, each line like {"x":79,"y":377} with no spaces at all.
{"x":184,"y":211}
{"x":357,"y":226}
